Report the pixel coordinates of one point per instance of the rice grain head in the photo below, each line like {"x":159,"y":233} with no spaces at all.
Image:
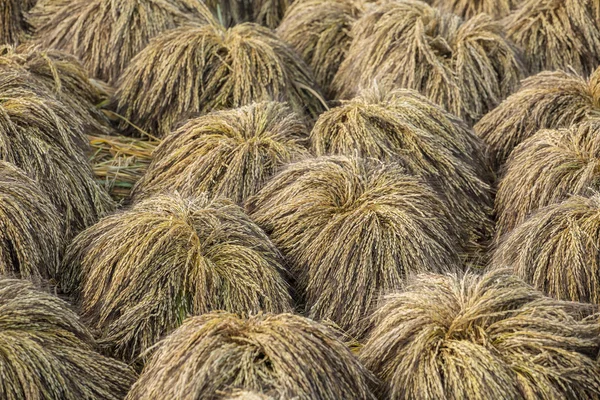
{"x":556,"y":35}
{"x":481,"y":337}
{"x":405,"y":127}
{"x":47,"y":353}
{"x":30,"y":227}
{"x":466,"y":9}
{"x":290,"y":355}
{"x":351,"y":229}
{"x":549,"y":100}
{"x":546,"y":169}
{"x":107,"y":34}
{"x":140,"y":272}
{"x":319,"y":30}
{"x":229,"y":153}
{"x":467,"y":67}
{"x":211,"y":68}
{"x":556,"y":250}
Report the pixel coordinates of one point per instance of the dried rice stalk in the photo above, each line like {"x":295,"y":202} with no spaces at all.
{"x":470,"y":8}
{"x":13,"y":27}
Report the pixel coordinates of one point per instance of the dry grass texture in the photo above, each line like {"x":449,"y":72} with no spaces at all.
{"x":46,"y":353}
{"x":212,"y":68}
{"x":468,"y":67}
{"x":351,"y":229}
{"x":264,"y":12}
{"x":43,"y":137}
{"x":319,"y":30}
{"x":106,"y":34}
{"x":470,"y":8}
{"x":556,"y":250}
{"x":556,"y":35}
{"x":546,"y":169}
{"x":549,"y":100}
{"x":30,"y":227}
{"x":405,"y":127}
{"x":292,"y":356}
{"x":229,"y":153}
{"x":481,"y":337}
{"x":141,"y":272}
{"x":13,"y":27}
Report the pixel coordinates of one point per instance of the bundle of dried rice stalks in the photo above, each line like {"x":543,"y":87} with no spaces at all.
{"x":287,"y":354}
{"x":353,"y":228}
{"x":30,"y":227}
{"x":213,"y":68}
{"x":47,"y":353}
{"x":546,"y":169}
{"x":264,"y":12}
{"x":246,"y":395}
{"x":13,"y":27}
{"x":556,"y":35}
{"x":119,"y":162}
{"x":404,"y":127}
{"x":42,"y":136}
{"x":229,"y":153}
{"x":470,"y":8}
{"x":269,"y":13}
{"x":549,"y":100}
{"x":106,"y":34}
{"x":466,"y":66}
{"x":556,"y":250}
{"x":319,"y":30}
{"x":481,"y":337}
{"x":141,"y":272}
{"x":63,"y":75}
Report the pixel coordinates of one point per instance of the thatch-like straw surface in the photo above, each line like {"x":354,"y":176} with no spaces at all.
{"x":549,"y":100}
{"x":229,"y":153}
{"x":30,"y":238}
{"x":556,"y":250}
{"x":287,"y":354}
{"x":319,"y":30}
{"x":13,"y":27}
{"x":468,"y":67}
{"x":106,"y":34}
{"x":47,"y":353}
{"x":547,"y":168}
{"x":213,"y":68}
{"x":481,"y":337}
{"x":264,"y":12}
{"x":353,"y":228}
{"x":470,"y":8}
{"x":404,"y":127}
{"x":556,"y":34}
{"x":141,"y":272}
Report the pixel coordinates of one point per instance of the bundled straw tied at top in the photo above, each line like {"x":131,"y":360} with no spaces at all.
{"x":47,"y":353}
{"x":211,"y":68}
{"x":139,"y":273}
{"x":30,"y":227}
{"x":468,"y":67}
{"x":470,"y":8}
{"x":549,"y":100}
{"x":288,"y":356}
{"x":106,"y":34}
{"x":546,"y":169}
{"x":351,"y":229}
{"x":404,"y":127}
{"x":319,"y":30}
{"x":556,"y":34}
{"x":556,"y":250}
{"x":481,"y":337}
{"x":229,"y":153}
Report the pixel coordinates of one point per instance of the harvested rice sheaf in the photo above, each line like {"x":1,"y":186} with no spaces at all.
{"x":556,"y":34}
{"x":556,"y":250}
{"x":547,"y":168}
{"x":481,"y":337}
{"x":405,"y":127}
{"x":212,"y":68}
{"x":287,"y":355}
{"x":468,"y":67}
{"x":471,"y":8}
{"x":139,"y":273}
{"x":264,"y":12}
{"x":229,"y":153}
{"x":352,"y":229}
{"x":549,"y":100}
{"x":30,"y":227}
{"x":319,"y":30}
{"x":106,"y":34}
{"x":47,"y":353}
